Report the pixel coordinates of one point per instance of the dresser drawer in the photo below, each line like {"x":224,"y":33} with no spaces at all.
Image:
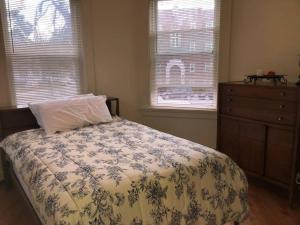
{"x":276,"y":93}
{"x":257,"y":127}
{"x":279,"y":154}
{"x":259,"y":104}
{"x":276,"y":117}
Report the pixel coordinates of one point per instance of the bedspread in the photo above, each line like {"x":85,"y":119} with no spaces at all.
{"x":124,"y":173}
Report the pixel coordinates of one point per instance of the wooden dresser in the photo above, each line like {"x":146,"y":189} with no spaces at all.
{"x":258,"y":127}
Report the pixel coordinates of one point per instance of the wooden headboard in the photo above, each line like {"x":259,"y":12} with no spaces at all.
{"x":14,"y":119}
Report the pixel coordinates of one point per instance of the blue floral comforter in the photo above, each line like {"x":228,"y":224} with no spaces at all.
{"x":124,"y":173}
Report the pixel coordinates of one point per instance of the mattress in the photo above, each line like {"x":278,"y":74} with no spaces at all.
{"x":124,"y":173}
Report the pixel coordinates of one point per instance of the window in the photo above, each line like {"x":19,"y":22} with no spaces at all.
{"x":208,"y":67}
{"x":209,"y":24}
{"x":209,"y":46}
{"x":192,"y":45}
{"x":180,"y":84}
{"x":175,"y":40}
{"x":42,"y":40}
{"x":193,"y":25}
{"x":160,"y":69}
{"x":192,"y":68}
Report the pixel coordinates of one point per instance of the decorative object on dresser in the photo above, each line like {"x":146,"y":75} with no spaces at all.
{"x":276,"y":79}
{"x":258,"y":127}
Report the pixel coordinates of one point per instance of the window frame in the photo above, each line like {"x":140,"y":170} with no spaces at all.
{"x":216,"y":43}
{"x":82,"y":85}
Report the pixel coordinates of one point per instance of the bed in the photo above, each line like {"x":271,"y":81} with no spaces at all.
{"x":120,"y":173}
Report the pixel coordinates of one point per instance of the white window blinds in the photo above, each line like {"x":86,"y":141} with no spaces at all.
{"x":42,"y":39}
{"x":185,"y":36}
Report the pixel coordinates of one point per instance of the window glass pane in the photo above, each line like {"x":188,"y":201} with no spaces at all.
{"x":185,"y":53}
{"x":43,"y":49}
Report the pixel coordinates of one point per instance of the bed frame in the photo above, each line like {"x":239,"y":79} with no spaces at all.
{"x":13,"y":120}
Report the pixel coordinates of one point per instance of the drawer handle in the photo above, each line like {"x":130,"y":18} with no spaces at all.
{"x":229,"y":100}
{"x":283,"y":94}
{"x":282,"y":106}
{"x":280,"y":118}
{"x":230,"y":90}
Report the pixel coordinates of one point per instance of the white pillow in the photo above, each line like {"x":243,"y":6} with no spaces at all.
{"x":34,"y":107}
{"x":68,"y":114}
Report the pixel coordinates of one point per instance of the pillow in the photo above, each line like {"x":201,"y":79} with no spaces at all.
{"x":35,"y":106}
{"x":68,"y":114}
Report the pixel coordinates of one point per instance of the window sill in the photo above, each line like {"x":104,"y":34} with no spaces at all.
{"x":170,"y":112}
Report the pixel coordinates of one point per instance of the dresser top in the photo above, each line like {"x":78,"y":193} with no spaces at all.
{"x":261,"y":84}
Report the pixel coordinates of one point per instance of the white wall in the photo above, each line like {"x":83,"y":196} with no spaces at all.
{"x":265,"y":35}
{"x":115,"y":52}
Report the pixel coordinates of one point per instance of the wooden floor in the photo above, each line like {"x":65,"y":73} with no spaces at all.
{"x":267,"y":208}
{"x":13,"y":210}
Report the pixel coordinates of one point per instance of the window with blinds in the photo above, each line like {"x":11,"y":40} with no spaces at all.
{"x":42,"y":39}
{"x":185,"y":36}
